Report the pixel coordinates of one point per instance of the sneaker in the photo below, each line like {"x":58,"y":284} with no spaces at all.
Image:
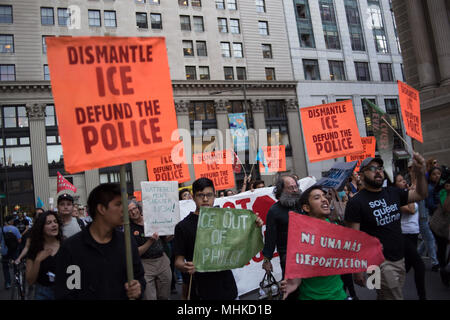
{"x":435,"y":268}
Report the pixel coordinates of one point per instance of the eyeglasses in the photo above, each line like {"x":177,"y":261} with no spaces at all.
{"x":203,"y":195}
{"x":373,"y":168}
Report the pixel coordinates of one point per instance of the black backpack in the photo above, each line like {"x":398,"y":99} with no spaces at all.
{"x":11,"y":241}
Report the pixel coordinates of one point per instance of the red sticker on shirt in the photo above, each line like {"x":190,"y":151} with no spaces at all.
{"x":136,"y":233}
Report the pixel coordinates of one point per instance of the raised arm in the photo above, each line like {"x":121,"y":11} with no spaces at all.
{"x":418,"y":169}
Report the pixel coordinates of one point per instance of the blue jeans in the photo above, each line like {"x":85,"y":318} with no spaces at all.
{"x":43,"y":292}
{"x":428,"y":244}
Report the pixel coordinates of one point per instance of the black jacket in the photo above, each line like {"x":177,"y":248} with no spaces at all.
{"x":102,"y":268}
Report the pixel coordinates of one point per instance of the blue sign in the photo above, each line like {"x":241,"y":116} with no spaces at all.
{"x":238,"y":129}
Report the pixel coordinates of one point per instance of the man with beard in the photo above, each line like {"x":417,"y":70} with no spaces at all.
{"x":376,"y":211}
{"x":288,"y":195}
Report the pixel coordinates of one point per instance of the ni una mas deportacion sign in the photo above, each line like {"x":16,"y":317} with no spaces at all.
{"x":113,"y":99}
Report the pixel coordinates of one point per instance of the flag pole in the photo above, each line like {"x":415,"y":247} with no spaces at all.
{"x":126,"y":223}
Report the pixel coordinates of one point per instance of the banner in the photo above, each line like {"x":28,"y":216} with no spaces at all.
{"x":161,"y":168}
{"x":369,"y":144}
{"x":338,"y":175}
{"x":318,"y":248}
{"x":161,"y":207}
{"x":238,"y":130}
{"x":275,"y":157}
{"x":64,"y":184}
{"x":113,"y":99}
{"x":330,"y":131}
{"x":226,"y":239}
{"x":217,"y":166}
{"x":410,"y":106}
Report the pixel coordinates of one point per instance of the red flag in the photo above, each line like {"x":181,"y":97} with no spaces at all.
{"x":63,"y":184}
{"x":319,"y":248}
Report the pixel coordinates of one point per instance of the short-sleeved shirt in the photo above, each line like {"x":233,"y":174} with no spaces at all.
{"x":71,"y":228}
{"x":379,"y":215}
{"x":206,"y":285}
{"x":156,"y":250}
{"x":322,"y":288}
{"x":21,"y":224}
{"x":15,"y":231}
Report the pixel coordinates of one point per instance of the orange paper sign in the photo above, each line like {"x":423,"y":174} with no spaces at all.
{"x":217,"y":166}
{"x":410,"y":106}
{"x":162,"y":168}
{"x":138,"y":195}
{"x":330,"y":131}
{"x":275,"y":157}
{"x":113,"y":99}
{"x":369,"y":144}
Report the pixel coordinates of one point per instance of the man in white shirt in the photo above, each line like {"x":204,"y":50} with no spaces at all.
{"x":65,"y":208}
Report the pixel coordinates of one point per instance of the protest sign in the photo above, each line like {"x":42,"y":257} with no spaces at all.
{"x":318,"y":248}
{"x":238,"y":130}
{"x":138,"y":195}
{"x":369,"y":144}
{"x":217,"y":166}
{"x":338,"y":175}
{"x":161,"y":207}
{"x":275,"y":157}
{"x":330,"y":131}
{"x":113,"y":99}
{"x":410,"y":106}
{"x":226,"y":239}
{"x":64,"y":184}
{"x":161,"y":168}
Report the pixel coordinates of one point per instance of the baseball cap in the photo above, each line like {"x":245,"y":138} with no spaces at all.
{"x":368,"y":160}
{"x":65,"y":196}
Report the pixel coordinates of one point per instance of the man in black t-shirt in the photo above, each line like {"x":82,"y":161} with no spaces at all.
{"x":376,"y":211}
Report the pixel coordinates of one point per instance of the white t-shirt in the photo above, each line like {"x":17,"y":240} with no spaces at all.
{"x":71,"y":228}
{"x":410,"y":222}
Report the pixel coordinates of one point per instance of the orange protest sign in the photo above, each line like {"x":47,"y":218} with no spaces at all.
{"x":113,"y":99}
{"x":410,"y":106}
{"x":369,"y":144}
{"x":275,"y":159}
{"x":162,"y":168}
{"x":217,"y":166}
{"x":138,"y":195}
{"x":330,"y":131}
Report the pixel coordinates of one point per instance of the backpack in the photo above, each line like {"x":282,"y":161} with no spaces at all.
{"x":11,"y":242}
{"x":81,"y":224}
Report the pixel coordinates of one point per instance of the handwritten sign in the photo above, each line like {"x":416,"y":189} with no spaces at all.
{"x":161,"y":168}
{"x":410,"y":106}
{"x":275,"y":157}
{"x":320,"y":248}
{"x":338,"y":175}
{"x":369,"y":144}
{"x":217,"y":166}
{"x":330,"y":131}
{"x":161,"y":207}
{"x":113,"y":99}
{"x":226,"y":239}
{"x":238,"y":130}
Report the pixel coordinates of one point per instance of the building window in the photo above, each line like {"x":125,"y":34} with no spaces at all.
{"x":386,"y":72}
{"x":44,"y":44}
{"x":196,"y":3}
{"x":15,"y":117}
{"x":376,"y":20}
{"x":263,"y":28}
{"x":362,"y":71}
{"x":220,"y":4}
{"x":222,"y":22}
{"x":304,"y":24}
{"x":94,"y":18}
{"x":46,"y":72}
{"x":188,"y":48}
{"x":110,"y":19}
{"x":234,"y":26}
{"x":183,"y":3}
{"x":50,"y":116}
{"x":228,"y":72}
{"x":394,"y":115}
{"x":241,"y":73}
{"x":185,"y":23}
{"x":336,"y":70}
{"x":6,"y":43}
{"x":6,"y":15}
{"x":202,"y":110}
{"x":225,"y":48}
{"x":267,"y":51}
{"x":232,"y":5}
{"x":191,"y":73}
{"x":63,"y":17}
{"x":141,"y":20}
{"x":367,"y":117}
{"x":47,"y":18}
{"x":7,"y":72}
{"x":395,"y":27}
{"x":139,"y":1}
{"x":201,"y":49}
{"x":203,"y":72}
{"x":277,"y":123}
{"x":237,"y":50}
{"x":198,"y":24}
{"x":156,"y":21}
{"x":354,"y":25}
{"x":260,"y":6}
{"x":311,"y":69}
{"x":403,"y":72}
{"x":329,"y":25}
{"x":270,"y":74}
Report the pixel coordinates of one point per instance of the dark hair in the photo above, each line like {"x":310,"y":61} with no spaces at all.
{"x":102,"y":194}
{"x":304,"y":199}
{"x":259,"y":182}
{"x":430,"y":173}
{"x":279,"y":186}
{"x":180,"y":193}
{"x":201,"y":184}
{"x":37,"y":233}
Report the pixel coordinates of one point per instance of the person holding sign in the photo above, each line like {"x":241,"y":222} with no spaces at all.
{"x":376,"y":211}
{"x":91,"y":265}
{"x":219,"y":285}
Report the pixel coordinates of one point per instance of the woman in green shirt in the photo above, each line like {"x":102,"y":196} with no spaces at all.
{"x":315,"y":204}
